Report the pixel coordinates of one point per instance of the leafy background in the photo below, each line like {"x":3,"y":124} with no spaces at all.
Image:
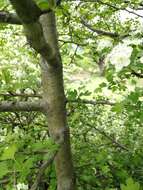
{"x":106,"y":140}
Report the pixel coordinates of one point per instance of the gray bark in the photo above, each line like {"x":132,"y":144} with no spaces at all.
{"x":42,"y":36}
{"x":21,"y":106}
{"x":53,"y":94}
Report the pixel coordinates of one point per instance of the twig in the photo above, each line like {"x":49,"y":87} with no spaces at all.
{"x":73,"y":56}
{"x":72,"y":42}
{"x":118,"y":9}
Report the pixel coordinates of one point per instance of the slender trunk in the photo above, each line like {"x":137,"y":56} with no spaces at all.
{"x":53,"y":95}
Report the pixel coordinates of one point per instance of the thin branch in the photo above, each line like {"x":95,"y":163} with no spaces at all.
{"x":92,"y":102}
{"x":118,"y":9}
{"x":42,"y":170}
{"x":109,"y":5}
{"x":72,"y":42}
{"x":13,"y":94}
{"x":139,"y":75}
{"x":13,"y":106}
{"x":100,"y":32}
{"x":73,"y":56}
{"x":4,"y":181}
{"x":116,"y":143}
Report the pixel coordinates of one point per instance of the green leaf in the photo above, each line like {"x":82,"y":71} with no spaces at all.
{"x":47,"y":144}
{"x":72,"y":94}
{"x":130,"y":185}
{"x":9,"y":152}
{"x":27,"y":165}
{"x":46,"y":4}
{"x":3,"y":169}
{"x":134,"y":96}
{"x":118,"y":107}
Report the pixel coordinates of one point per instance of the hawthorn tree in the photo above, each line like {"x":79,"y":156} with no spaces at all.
{"x":86,"y":29}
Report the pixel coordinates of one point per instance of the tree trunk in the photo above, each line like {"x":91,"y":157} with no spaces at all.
{"x":53,"y":95}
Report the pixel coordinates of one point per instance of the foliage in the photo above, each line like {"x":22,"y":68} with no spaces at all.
{"x":106,"y":140}
{"x":130,"y":184}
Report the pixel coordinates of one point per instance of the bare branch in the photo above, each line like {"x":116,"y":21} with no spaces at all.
{"x":79,"y":101}
{"x":13,"y":94}
{"x":116,"y":143}
{"x":100,"y":32}
{"x":9,"y":18}
{"x":119,"y":8}
{"x":109,"y":5}
{"x":92,"y":102}
{"x":73,"y":56}
{"x":139,"y":75}
{"x":4,"y":181}
{"x":42,"y":170}
{"x":72,"y":42}
{"x":12,"y":106}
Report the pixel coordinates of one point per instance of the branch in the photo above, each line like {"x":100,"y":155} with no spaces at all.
{"x":12,"y":106}
{"x":42,"y":170}
{"x":73,"y":56}
{"x":109,"y":5}
{"x":13,"y":94}
{"x":29,"y":14}
{"x":100,"y":32}
{"x":72,"y":42}
{"x":79,"y":101}
{"x":109,"y":137}
{"x":92,"y":102}
{"x":139,"y":75}
{"x":9,"y":18}
{"x":118,"y":9}
{"x":27,"y":10}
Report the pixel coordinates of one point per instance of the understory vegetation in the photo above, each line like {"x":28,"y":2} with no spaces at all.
{"x":101,"y":45}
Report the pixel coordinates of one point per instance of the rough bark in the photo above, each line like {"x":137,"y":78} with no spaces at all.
{"x":53,"y":94}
